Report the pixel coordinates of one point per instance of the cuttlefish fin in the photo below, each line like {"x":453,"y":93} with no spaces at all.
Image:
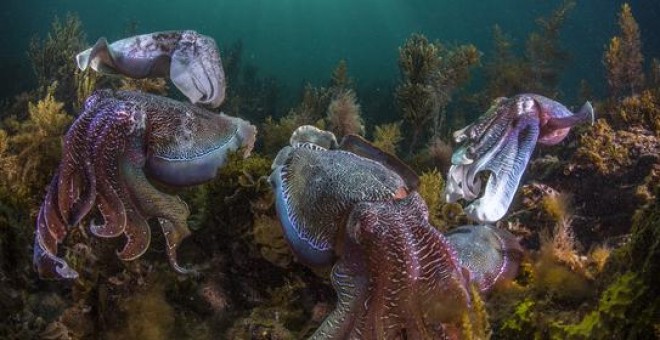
{"x":363,"y":148}
{"x":303,"y":239}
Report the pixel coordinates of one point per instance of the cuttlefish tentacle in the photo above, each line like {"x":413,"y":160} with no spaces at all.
{"x":50,"y":231}
{"x":113,"y":129}
{"x":84,"y":186}
{"x":350,"y":282}
{"x":502,"y":141}
{"x":138,"y":236}
{"x":170,"y":210}
{"x":493,"y":122}
{"x":77,"y":181}
{"x":190,"y":59}
{"x":506,"y":168}
{"x":415,"y":283}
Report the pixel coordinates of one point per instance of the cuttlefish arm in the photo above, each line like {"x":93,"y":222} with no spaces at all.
{"x":501,"y":142}
{"x":398,"y":278}
{"x":190,"y":59}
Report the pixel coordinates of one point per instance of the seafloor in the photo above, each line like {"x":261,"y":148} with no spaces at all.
{"x":587,"y":212}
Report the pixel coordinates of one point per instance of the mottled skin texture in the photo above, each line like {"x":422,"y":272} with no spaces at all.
{"x":395,"y":275}
{"x":407,"y":282}
{"x":501,"y":142}
{"x":489,"y":254}
{"x":190,"y":59}
{"x":313,"y":225}
{"x":118,"y":141}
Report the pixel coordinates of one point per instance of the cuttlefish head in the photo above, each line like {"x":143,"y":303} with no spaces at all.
{"x":316,"y":187}
{"x":501,"y":142}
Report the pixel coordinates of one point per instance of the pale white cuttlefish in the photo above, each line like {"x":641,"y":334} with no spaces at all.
{"x":501,"y":142}
{"x":190,"y":59}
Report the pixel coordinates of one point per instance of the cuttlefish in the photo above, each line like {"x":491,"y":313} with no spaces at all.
{"x":356,"y":208}
{"x":124,"y":141}
{"x":190,"y":59}
{"x":501,"y":142}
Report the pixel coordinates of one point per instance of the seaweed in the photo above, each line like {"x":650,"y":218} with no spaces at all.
{"x":277,"y":318}
{"x":149,"y":85}
{"x":610,"y":151}
{"x":538,"y":69}
{"x":387,"y":137}
{"x":249,"y":94}
{"x":340,"y":79}
{"x":623,"y":58}
{"x":431,"y":186}
{"x":334,"y":107}
{"x":53,"y":58}
{"x":86,"y":83}
{"x":544,"y":53}
{"x":474,"y":323}
{"x":344,"y":114}
{"x":146,"y":314}
{"x":521,"y":323}
{"x":32,"y":148}
{"x":601,"y":324}
{"x":268,"y":235}
{"x":430,"y":74}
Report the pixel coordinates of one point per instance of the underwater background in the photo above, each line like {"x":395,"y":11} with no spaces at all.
{"x":301,"y":41}
{"x":587,"y":211}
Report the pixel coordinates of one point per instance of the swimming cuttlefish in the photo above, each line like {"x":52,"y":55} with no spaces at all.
{"x":122,"y":140}
{"x":501,"y":141}
{"x":190,"y":59}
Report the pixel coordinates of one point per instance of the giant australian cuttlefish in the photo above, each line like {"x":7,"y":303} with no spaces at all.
{"x":501,"y":142}
{"x":122,"y":139}
{"x":351,"y":206}
{"x":356,"y":207}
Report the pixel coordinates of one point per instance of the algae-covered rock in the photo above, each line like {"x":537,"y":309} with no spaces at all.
{"x":522,"y":323}
{"x":609,"y":319}
{"x":629,"y":307}
{"x":269,"y":236}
